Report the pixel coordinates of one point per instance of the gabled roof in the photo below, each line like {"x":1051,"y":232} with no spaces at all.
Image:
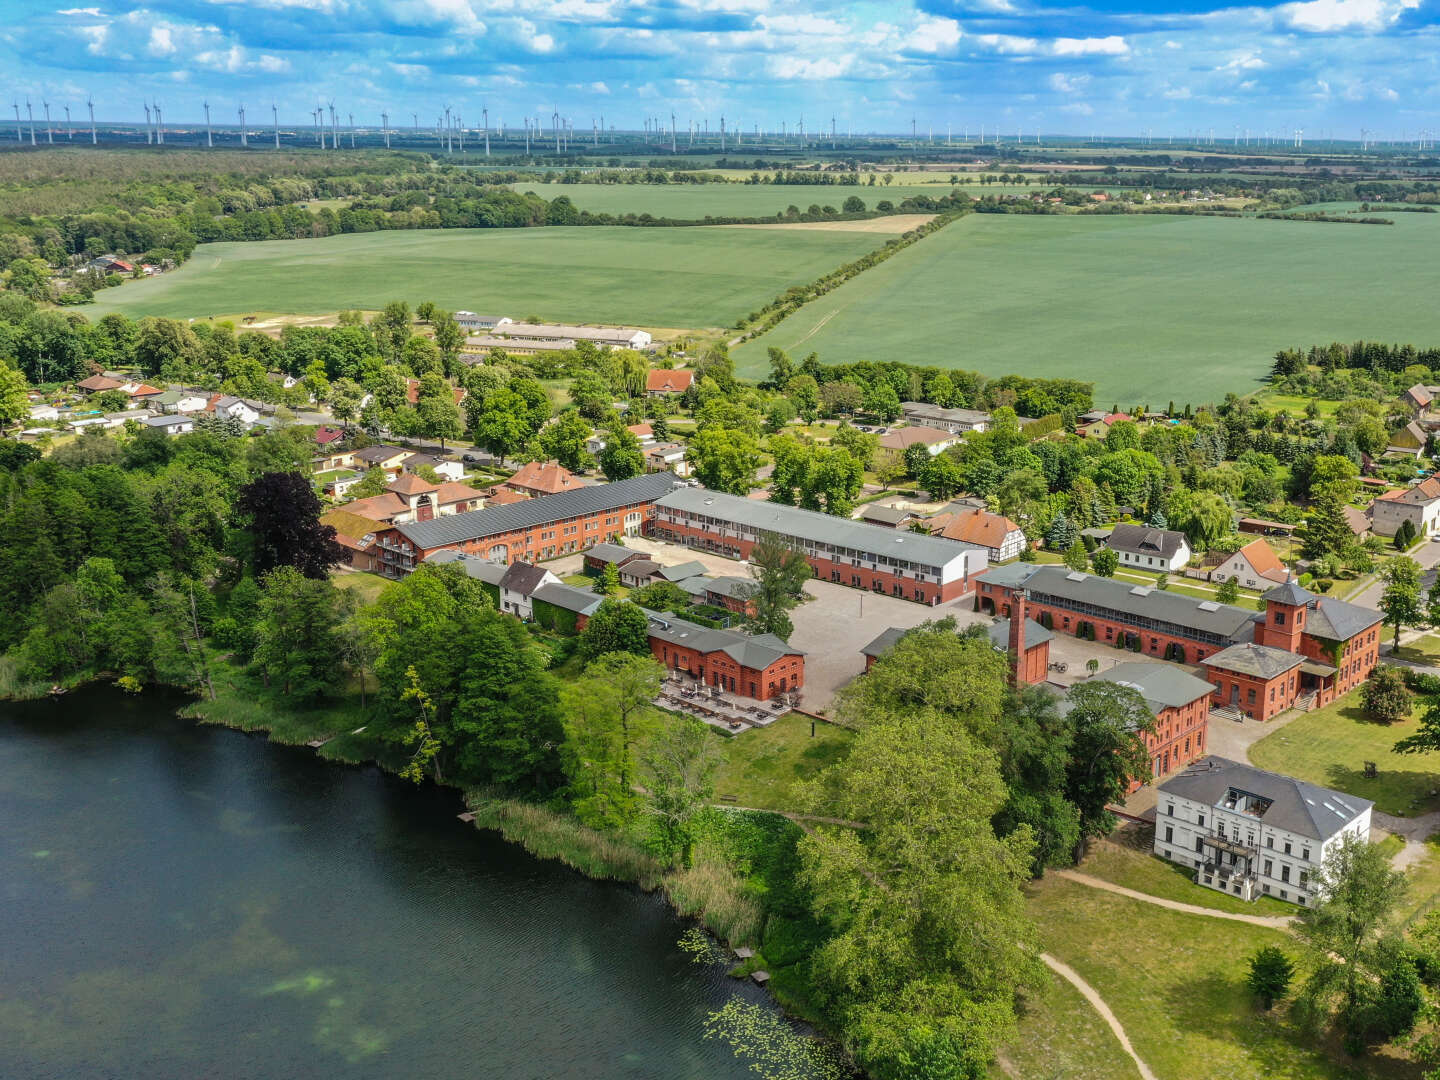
{"x":410,"y":484}
{"x":376,"y":455}
{"x":683,"y":571}
{"x":1163,"y":686}
{"x":493,"y":520}
{"x":567,"y":597}
{"x":885,"y":515}
{"x":1260,"y":661}
{"x":1035,"y":634}
{"x":972,"y":525}
{"x":1419,"y":394}
{"x":661,"y":381}
{"x":1144,"y":540}
{"x":1421,"y":494}
{"x":1294,"y":805}
{"x":548,"y":477}
{"x":352,"y":530}
{"x":492,"y":573}
{"x":325,"y":435}
{"x":885,"y":641}
{"x":524,"y":578}
{"x":642,"y":568}
{"x":736,"y":588}
{"x":612,"y":553}
{"x":1262,"y":558}
{"x":905,"y":437}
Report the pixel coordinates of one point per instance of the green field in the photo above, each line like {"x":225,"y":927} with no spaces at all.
{"x":680,"y":278}
{"x":1151,"y":308}
{"x":698,"y":201}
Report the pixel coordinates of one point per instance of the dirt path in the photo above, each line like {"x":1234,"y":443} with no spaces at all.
{"x":1273,"y":922}
{"x":1070,"y":975}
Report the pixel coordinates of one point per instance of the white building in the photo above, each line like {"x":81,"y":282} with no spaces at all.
{"x":1155,"y":550}
{"x":176,"y":424}
{"x":955,"y":421}
{"x":1250,"y":833}
{"x":469,"y":321}
{"x":238,"y":408}
{"x":1420,"y":505}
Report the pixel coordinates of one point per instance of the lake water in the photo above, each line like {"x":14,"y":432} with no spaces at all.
{"x":189,"y":902}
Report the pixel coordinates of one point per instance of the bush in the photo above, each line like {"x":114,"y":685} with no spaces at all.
{"x":1270,"y":974}
{"x":1384,"y":696}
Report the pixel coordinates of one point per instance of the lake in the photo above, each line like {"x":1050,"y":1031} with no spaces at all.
{"x":181,"y":901}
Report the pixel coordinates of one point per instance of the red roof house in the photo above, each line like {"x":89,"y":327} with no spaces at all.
{"x":660,"y":381}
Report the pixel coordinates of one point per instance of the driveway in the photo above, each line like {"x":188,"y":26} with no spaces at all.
{"x":1427,"y":555}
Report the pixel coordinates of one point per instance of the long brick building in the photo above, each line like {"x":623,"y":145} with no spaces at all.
{"x":912,"y":566}
{"x":1301,"y":649}
{"x":529,"y":530}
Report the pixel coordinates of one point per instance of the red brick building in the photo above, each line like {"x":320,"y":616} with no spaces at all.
{"x":1033,"y":646}
{"x":1302,"y":650}
{"x":908,"y":565}
{"x":1181,"y":704}
{"x":531,"y":529}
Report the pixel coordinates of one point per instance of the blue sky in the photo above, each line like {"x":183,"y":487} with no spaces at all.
{"x":1172,"y":67}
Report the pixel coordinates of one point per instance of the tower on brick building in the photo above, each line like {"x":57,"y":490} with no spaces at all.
{"x":1284,"y":622}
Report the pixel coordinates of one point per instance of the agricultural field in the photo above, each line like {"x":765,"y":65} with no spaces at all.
{"x":698,"y":201}
{"x":644,"y":277}
{"x":1152,"y":308}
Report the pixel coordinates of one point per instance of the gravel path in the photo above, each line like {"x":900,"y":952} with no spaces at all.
{"x":1273,"y":922}
{"x":1070,"y":975}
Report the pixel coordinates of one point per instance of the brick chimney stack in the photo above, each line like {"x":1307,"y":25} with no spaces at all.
{"x":1017,"y":638}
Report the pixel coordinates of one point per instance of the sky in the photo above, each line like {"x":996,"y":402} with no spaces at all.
{"x":1164,"y":67}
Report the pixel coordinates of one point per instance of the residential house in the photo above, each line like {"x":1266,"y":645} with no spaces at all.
{"x":335,"y":458}
{"x":1254,"y":566}
{"x":890,"y":517}
{"x":379,"y":456}
{"x":955,"y":421}
{"x":541,"y":478}
{"x":178,"y":401}
{"x":1418,"y":504}
{"x":98,"y":384}
{"x":662,"y":381}
{"x":409,"y":498}
{"x":339,"y":486}
{"x":1099,"y":428}
{"x":926,"y":569}
{"x":603,"y":555}
{"x":997,"y":535}
{"x":638,"y":573}
{"x":1332,"y":645}
{"x":531,"y":529}
{"x":282,"y":379}
{"x":518,"y":585}
{"x":177,"y":424}
{"x":667,"y":457}
{"x":1419,"y":398}
{"x":445,"y":469}
{"x":890,"y":447}
{"x":325,"y":435}
{"x":644,"y":432}
{"x":110,"y":264}
{"x":236,"y":408}
{"x":356,"y":535}
{"x":1248,"y":832}
{"x":1153,"y":550}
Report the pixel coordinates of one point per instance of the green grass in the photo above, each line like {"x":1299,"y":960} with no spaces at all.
{"x":762,"y":766}
{"x":1178,"y":583}
{"x":366,"y":585}
{"x":647,"y":277}
{"x":1331,"y":745}
{"x":1176,"y":983}
{"x":1151,"y":308}
{"x":1115,"y":862}
{"x":1061,"y":1037}
{"x":1424,"y":894}
{"x":1423,"y":650}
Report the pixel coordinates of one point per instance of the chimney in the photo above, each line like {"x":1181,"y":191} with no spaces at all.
{"x":1017,"y":638}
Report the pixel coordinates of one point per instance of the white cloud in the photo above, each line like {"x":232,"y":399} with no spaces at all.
{"x":1247,"y":61}
{"x":1177,"y":93}
{"x":934,"y":34}
{"x":792,"y":67}
{"x":161,"y":41}
{"x":1078,"y":108}
{"x":92,"y":12}
{"x":1173,"y":45}
{"x":599,"y":88}
{"x":1068,"y":84}
{"x":800,"y":24}
{"x":1322,"y":16}
{"x":542,"y":43}
{"x":1008,"y":44}
{"x":1114,"y":45}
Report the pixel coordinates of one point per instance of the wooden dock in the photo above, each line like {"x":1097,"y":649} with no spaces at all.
{"x":466,"y":817}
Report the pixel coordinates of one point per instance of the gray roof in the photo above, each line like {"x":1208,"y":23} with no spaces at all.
{"x":1261,"y":661}
{"x":378,"y":453}
{"x":886,"y":515}
{"x":523,"y":578}
{"x":757,"y":651}
{"x":1339,"y":620}
{"x":683,"y":571}
{"x":1186,"y":613}
{"x":695,"y":586}
{"x":641,"y":568}
{"x":813,"y":525}
{"x":568,"y":597}
{"x":167,"y":421}
{"x":1144,"y":540}
{"x":476,"y":567}
{"x":1289,"y":593}
{"x":1163,"y":686}
{"x":1296,"y":806}
{"x":737,"y":588}
{"x":611,"y":553}
{"x":885,"y":642}
{"x":1035,"y":634}
{"x":493,"y":520}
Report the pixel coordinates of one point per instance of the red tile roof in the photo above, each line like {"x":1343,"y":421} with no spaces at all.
{"x":324,"y":436}
{"x":661,"y":381}
{"x":543,"y":477}
{"x":412,"y":392}
{"x":980,"y":527}
{"x":1262,"y":557}
{"x":99,"y":383}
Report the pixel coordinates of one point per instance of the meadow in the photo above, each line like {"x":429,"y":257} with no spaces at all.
{"x":658,"y":277}
{"x":1152,"y":308}
{"x":695,"y":202}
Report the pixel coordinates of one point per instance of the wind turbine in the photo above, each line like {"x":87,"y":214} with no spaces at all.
{"x":143,"y":105}
{"x":209,"y":137}
{"x":19,"y":127}
{"x":485,"y":116}
{"x":69,"y":133}
{"x":449,"y":143}
{"x":385,"y":128}
{"x":334,"y":128}
{"x":722,"y":133}
{"x":159,"y":125}
{"x":30,"y":114}
{"x":275,"y":119}
{"x":49,"y":131}
{"x":244,"y":135}
{"x":672,"y":131}
{"x":555,"y":123}
{"x":352,"y":130}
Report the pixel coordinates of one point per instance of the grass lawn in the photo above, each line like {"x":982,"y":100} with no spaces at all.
{"x":1098,"y":298}
{"x":761,"y":766}
{"x":1061,"y":1037}
{"x":1114,"y":861}
{"x":1331,"y":745}
{"x":1179,"y":584}
{"x":1423,"y":650}
{"x":1176,"y":982}
{"x":1424,"y":894}
{"x":649,"y":277}
{"x":368,"y":586}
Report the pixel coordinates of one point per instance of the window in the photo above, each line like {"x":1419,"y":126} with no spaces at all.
{"x":1305,"y":854}
{"x":1279,"y":618}
{"x":1170,"y":811}
{"x":1269,"y":841}
{"x":1269,"y":868}
{"x":1304,"y":878}
{"x":1169,"y":837}
{"x":1200,"y":820}
{"x":1200,"y":843}
{"x":1287,"y":847}
{"x":1284,"y":873}
{"x":1250,"y":696}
